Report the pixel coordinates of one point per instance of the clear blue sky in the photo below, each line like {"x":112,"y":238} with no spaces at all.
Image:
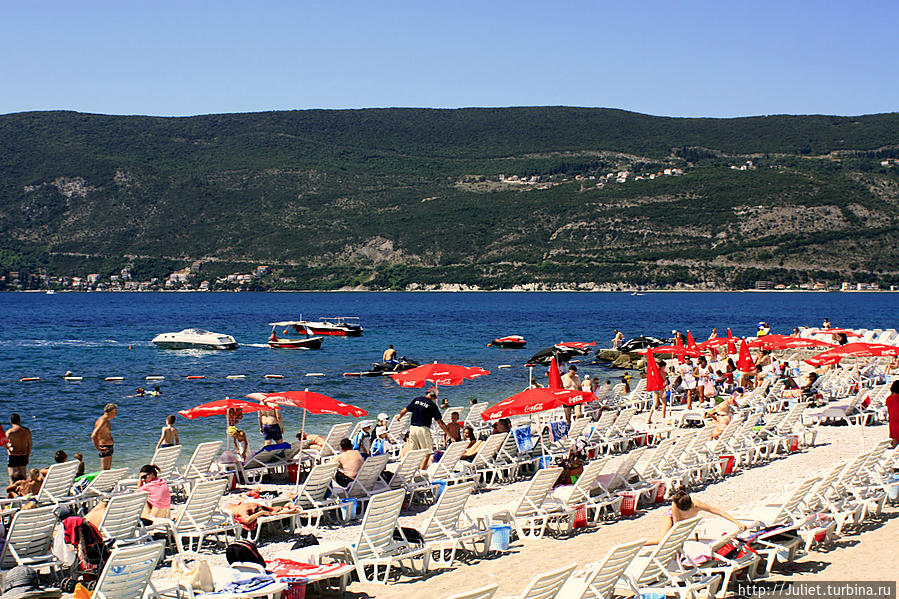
{"x":690,"y":58}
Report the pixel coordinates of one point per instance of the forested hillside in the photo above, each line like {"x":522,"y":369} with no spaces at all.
{"x":411,"y":198}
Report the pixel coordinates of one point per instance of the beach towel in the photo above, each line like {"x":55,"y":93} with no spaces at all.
{"x":287,"y":568}
{"x":247,"y":585}
{"x":558,"y":430}
{"x":523,"y":438}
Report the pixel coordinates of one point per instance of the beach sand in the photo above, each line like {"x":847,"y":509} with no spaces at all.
{"x":866,"y":555}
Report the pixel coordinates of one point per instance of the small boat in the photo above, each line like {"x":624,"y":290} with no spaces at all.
{"x":386,"y":368}
{"x":195,"y":339}
{"x":341,"y":326}
{"x":508,"y":342}
{"x":282,"y":341}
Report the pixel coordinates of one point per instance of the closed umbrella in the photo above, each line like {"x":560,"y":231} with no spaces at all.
{"x":691,"y":343}
{"x":731,"y":346}
{"x":654,"y":379}
{"x":744,"y":362}
{"x":555,"y":378}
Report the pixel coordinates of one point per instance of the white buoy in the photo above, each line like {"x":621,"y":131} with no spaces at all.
{"x":274,"y":376}
{"x":154,"y":377}
{"x":236,"y":376}
{"x":315,"y":374}
{"x":504,"y":366}
{"x":113,"y":379}
{"x":73,"y":378}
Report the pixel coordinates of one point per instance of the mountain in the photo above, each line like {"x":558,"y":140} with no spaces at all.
{"x":410,"y":198}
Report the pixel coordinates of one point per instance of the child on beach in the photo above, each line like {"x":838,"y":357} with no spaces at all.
{"x":240,"y":442}
{"x":22,"y":487}
{"x":80,"y":457}
{"x":169,"y":434}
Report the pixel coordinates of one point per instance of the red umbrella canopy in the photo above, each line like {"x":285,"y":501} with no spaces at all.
{"x":731,"y":347}
{"x":316,"y":403}
{"x":783,"y":342}
{"x":834,"y":355}
{"x":437,"y":374}
{"x":744,"y":362}
{"x":536,"y":400}
{"x":766,"y":340}
{"x":678,"y":350}
{"x":578,"y":344}
{"x":220,"y":407}
{"x":690,"y":341}
{"x":654,"y":379}
{"x":555,"y":379}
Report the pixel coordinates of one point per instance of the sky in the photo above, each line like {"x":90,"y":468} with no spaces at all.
{"x":690,"y":58}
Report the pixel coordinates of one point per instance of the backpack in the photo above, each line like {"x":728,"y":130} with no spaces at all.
{"x":244,"y":551}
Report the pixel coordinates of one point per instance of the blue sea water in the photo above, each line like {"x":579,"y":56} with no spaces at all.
{"x":96,"y":335}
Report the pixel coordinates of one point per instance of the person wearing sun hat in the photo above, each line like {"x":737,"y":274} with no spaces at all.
{"x":381,"y":444}
{"x":362,"y":439}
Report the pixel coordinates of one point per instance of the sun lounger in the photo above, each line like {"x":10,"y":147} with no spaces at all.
{"x":598,"y":581}
{"x":331,"y":446}
{"x":198,"y":467}
{"x":28,"y":540}
{"x":127,"y":572}
{"x":101,"y":487}
{"x":199,"y":518}
{"x":375,"y":552}
{"x":587,"y":492}
{"x":121,"y":520}
{"x":368,"y":481}
{"x":486,"y":592}
{"x":407,"y":475}
{"x":57,"y":486}
{"x":547,"y":585}
{"x":528,"y":516}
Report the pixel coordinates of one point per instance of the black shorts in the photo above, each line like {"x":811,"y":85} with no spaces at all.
{"x":18,"y":461}
{"x":105,"y":451}
{"x":342,"y":479}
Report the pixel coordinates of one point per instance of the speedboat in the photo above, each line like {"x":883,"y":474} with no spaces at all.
{"x":343,"y":326}
{"x":195,"y":339}
{"x":283,"y":341}
{"x":509,"y":342}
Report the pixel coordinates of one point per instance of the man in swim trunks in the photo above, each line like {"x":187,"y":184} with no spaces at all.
{"x":102,"y":436}
{"x":18,"y":446}
{"x":271,"y":425}
{"x":389,"y":355}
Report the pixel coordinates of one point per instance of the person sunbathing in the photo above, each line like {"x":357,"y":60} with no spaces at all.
{"x":22,"y":487}
{"x":683,"y":507}
{"x":246,"y":513}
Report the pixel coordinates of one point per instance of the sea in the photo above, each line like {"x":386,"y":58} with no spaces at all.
{"x":99,"y":335}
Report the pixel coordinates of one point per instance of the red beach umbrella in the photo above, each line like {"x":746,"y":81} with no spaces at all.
{"x":836,"y":354}
{"x":220,"y":407}
{"x":536,"y":400}
{"x":744,"y":362}
{"x":678,"y":350}
{"x":308,"y":401}
{"x":847,"y":332}
{"x":731,"y":346}
{"x":577,"y":344}
{"x":691,"y":343}
{"x":654,"y":379}
{"x":437,"y":374}
{"x":315,"y":403}
{"x":555,"y":379}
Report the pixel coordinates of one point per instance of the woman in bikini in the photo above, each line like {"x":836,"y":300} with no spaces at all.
{"x":683,"y":507}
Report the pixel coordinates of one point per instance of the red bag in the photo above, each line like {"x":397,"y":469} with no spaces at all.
{"x":580,"y":516}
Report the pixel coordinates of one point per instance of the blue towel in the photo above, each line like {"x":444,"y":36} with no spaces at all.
{"x":523,"y":438}
{"x":559,"y":429}
{"x":247,"y":585}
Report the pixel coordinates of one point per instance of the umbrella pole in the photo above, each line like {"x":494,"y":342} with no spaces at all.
{"x":300,"y":453}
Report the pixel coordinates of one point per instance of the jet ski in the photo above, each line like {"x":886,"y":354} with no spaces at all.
{"x":386,"y":368}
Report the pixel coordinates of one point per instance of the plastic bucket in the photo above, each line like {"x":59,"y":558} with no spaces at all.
{"x":293,"y":472}
{"x":893,"y":488}
{"x":439,"y":487}
{"x":296,"y":588}
{"x":545,"y":462}
{"x":794,"y":443}
{"x":727,"y":463}
{"x":580,"y":517}
{"x":653,"y":595}
{"x":500,"y":536}
{"x":628,"y":503}
{"x":348,"y":508}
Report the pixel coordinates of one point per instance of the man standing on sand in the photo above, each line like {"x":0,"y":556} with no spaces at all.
{"x":18,"y":446}
{"x":102,"y":436}
{"x":424,"y":410}
{"x":572,"y":382}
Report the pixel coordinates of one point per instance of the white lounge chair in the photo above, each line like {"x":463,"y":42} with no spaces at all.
{"x":547,"y":585}
{"x":449,"y":528}
{"x":598,"y":580}
{"x":486,"y":592}
{"x":200,"y":518}
{"x":29,"y":539}
{"x":407,"y":475}
{"x":127,"y":572}
{"x":121,"y":520}
{"x":57,"y":486}
{"x":587,"y":492}
{"x":528,"y":516}
{"x":368,"y":481}
{"x":101,"y":487}
{"x":198,"y":467}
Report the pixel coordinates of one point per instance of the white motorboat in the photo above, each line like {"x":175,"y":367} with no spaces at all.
{"x":195,"y":339}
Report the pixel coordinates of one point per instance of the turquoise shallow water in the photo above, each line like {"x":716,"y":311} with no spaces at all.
{"x":91,"y":333}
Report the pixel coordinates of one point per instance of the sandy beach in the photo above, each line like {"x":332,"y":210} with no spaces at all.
{"x":859,"y":554}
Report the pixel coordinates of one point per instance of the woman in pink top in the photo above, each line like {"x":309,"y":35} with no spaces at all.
{"x":159,"y":499}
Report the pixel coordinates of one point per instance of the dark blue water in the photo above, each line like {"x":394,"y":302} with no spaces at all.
{"x":91,"y":333}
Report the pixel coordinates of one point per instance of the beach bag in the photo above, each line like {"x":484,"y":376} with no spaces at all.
{"x":244,"y":551}
{"x":304,"y":541}
{"x":197,"y":576}
{"x":404,"y":533}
